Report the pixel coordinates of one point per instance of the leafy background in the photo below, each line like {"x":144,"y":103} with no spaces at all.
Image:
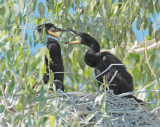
{"x":111,"y":22}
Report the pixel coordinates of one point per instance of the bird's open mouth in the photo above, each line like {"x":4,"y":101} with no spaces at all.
{"x":52,"y":33}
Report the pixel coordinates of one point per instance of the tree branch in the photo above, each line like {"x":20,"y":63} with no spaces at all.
{"x":149,"y":45}
{"x":137,"y":47}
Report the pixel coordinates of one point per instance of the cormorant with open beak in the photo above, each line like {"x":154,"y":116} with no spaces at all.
{"x":56,"y":63}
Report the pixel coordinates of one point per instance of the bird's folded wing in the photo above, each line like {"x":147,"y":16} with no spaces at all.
{"x":117,"y":71}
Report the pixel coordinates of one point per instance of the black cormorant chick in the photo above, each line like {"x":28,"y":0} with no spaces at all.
{"x":56,"y":63}
{"x":122,"y":82}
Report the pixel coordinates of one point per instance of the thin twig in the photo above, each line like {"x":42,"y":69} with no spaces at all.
{"x":4,"y":96}
{"x":19,"y":28}
{"x":142,"y":49}
{"x":110,"y":81}
{"x":145,"y":52}
{"x":158,"y":108}
{"x":27,"y":17}
{"x":138,"y":47}
{"x":12,"y":73}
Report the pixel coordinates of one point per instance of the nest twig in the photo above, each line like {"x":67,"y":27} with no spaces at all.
{"x":107,"y":109}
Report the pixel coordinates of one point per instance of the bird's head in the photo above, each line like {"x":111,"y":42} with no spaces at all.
{"x":50,"y":29}
{"x":86,"y":39}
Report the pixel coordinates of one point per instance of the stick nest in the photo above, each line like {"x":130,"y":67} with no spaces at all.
{"x":106,"y":109}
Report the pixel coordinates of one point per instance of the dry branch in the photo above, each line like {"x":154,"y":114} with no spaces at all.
{"x":140,"y":46}
{"x":120,"y":111}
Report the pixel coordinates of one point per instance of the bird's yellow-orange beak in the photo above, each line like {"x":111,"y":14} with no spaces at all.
{"x":51,"y":33}
{"x":75,"y":42}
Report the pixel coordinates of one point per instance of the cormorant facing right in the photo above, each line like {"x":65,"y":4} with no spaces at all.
{"x":56,"y":63}
{"x":122,"y":82}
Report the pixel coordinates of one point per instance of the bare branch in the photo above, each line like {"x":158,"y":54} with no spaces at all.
{"x":137,"y":47}
{"x":146,"y":55}
{"x":150,"y":45}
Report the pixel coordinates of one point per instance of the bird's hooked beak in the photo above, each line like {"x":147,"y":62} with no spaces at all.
{"x":53,"y":30}
{"x":75,"y":32}
{"x":74,"y":42}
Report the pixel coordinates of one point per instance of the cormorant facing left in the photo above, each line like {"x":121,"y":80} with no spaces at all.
{"x":56,"y":63}
{"x":122,"y":82}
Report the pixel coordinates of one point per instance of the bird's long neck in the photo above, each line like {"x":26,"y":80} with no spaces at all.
{"x":54,"y":50}
{"x":91,"y":57}
{"x":94,"y":46}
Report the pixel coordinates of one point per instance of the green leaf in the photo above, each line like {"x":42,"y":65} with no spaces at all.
{"x":99,"y":99}
{"x":51,"y":77}
{"x":6,"y":16}
{"x":50,"y":4}
{"x":34,"y":4}
{"x":124,"y":33}
{"x":145,"y":23}
{"x":17,"y":60}
{"x":2,"y":108}
{"x":3,"y":65}
{"x":105,"y":42}
{"x":42,"y":104}
{"x":150,"y":28}
{"x":107,"y":6}
{"x":108,"y":34}
{"x":82,"y":64}
{"x":19,"y":107}
{"x":151,"y":7}
{"x":56,"y":8}
{"x":41,"y":9}
{"x":157,"y":35}
{"x":139,"y":22}
{"x":104,"y":106}
{"x":89,"y":116}
{"x":157,"y":4}
{"x":3,"y":33}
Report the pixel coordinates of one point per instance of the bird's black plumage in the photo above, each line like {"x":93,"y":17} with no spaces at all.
{"x":122,"y":82}
{"x":56,"y":63}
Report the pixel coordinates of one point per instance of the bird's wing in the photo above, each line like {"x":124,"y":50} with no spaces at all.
{"x":114,"y":74}
{"x":121,"y":74}
{"x":54,"y":51}
{"x":110,"y":59}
